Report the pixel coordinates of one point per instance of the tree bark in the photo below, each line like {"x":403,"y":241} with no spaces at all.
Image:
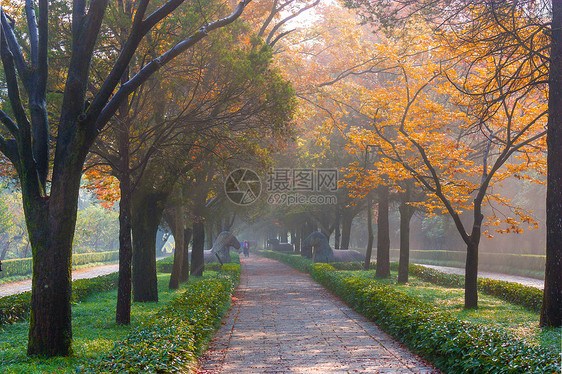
{"x":383,"y":234}
{"x":369,"y":251}
{"x":197,"y":254}
{"x":123,"y":308}
{"x":298,"y":238}
{"x":283,"y":237}
{"x":146,"y":212}
{"x":337,"y":232}
{"x":346,"y":224}
{"x":306,"y":251}
{"x":179,"y":246}
{"x":406,"y":213}
{"x":471,"y":277}
{"x":184,"y":273}
{"x":51,"y":223}
{"x":551,"y":311}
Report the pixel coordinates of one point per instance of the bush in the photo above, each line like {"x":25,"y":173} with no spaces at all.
{"x":347,"y":265}
{"x":170,"y":341}
{"x":452,"y":345}
{"x":15,"y":308}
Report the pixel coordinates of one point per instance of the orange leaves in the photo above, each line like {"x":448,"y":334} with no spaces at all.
{"x":105,"y":186}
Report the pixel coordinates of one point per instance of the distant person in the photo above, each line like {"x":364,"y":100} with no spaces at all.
{"x":246,"y":248}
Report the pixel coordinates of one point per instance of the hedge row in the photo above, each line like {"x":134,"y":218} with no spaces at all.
{"x":165,"y":265}
{"x":526,"y":296}
{"x":453,"y":345}
{"x":23,"y":266}
{"x":15,"y":308}
{"x":503,"y":262}
{"x":172,"y":339}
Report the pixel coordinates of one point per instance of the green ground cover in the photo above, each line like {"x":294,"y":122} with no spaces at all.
{"x":95,"y":334}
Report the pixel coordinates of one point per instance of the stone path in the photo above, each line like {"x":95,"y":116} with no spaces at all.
{"x":532,"y":282}
{"x":281,"y":321}
{"x":7,"y":289}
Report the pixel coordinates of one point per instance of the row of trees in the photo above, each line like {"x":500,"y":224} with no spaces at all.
{"x":439,"y":106}
{"x":153,"y":97}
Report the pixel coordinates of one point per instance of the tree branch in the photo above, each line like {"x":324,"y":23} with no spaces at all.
{"x":126,"y":89}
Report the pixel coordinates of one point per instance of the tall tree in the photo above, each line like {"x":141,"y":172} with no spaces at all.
{"x":523,"y":30}
{"x":50,"y":209}
{"x":551,"y":312}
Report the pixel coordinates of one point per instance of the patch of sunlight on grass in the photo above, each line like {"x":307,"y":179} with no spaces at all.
{"x":94,"y":331}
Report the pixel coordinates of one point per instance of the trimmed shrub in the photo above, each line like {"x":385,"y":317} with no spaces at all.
{"x":165,"y":265}
{"x":171,"y":340}
{"x":453,"y":345}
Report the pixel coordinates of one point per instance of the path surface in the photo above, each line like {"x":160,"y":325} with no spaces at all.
{"x":281,"y":321}
{"x":532,"y":282}
{"x":7,"y":289}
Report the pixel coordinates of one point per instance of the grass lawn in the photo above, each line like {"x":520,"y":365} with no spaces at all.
{"x":519,"y":321}
{"x":94,"y":332}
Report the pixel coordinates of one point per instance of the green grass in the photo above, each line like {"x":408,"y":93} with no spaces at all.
{"x":94,"y":332}
{"x":491,"y":311}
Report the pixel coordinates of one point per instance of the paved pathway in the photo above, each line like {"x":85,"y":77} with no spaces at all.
{"x":12,"y":288}
{"x":282,"y":321}
{"x":532,"y":282}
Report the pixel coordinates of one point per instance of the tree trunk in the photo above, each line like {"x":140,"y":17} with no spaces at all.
{"x":184,"y":273}
{"x":5,"y":250}
{"x":197,"y":255}
{"x":346,"y":223}
{"x":406,"y":213}
{"x":298,"y":238}
{"x":146,"y":212}
{"x":471,"y":277}
{"x":383,"y":235}
{"x":306,"y":250}
{"x":337,"y":232}
{"x":123,"y":308}
{"x":369,"y":250}
{"x":179,"y":246}
{"x":209,"y":232}
{"x":551,"y":312}
{"x":51,"y":223}
{"x":283,"y":238}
